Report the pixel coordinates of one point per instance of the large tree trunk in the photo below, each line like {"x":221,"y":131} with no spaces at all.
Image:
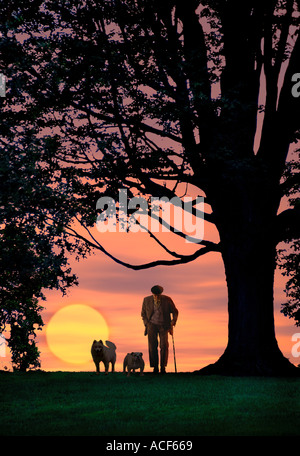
{"x":248,"y":252}
{"x":252,"y":347}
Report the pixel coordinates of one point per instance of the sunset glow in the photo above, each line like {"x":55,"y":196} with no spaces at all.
{"x":116,"y":293}
{"x":70,"y":330}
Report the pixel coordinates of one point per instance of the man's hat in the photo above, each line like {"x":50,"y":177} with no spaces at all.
{"x":157,"y":289}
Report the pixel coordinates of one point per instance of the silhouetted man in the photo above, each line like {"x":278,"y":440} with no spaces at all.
{"x":156,"y":315}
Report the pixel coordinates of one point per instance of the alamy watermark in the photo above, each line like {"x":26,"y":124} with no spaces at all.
{"x":2,"y":85}
{"x":296,"y":347}
{"x":2,"y":346}
{"x":296,"y":87}
{"x":154,"y":215}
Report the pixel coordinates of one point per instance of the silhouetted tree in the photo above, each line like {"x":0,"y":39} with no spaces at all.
{"x":290,"y":256}
{"x":291,"y":267}
{"x":149,"y":96}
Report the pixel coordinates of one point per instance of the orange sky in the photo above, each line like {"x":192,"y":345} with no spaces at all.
{"x":198,"y":290}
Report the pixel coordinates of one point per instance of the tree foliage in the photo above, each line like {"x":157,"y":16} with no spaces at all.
{"x":289,"y":257}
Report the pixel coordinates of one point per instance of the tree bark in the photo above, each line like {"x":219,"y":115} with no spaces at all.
{"x":249,"y":252}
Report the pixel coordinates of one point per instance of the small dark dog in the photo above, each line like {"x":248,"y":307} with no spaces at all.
{"x":106,"y":354}
{"x":132,"y":361}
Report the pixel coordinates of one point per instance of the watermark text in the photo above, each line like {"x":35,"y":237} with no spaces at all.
{"x":155,"y":215}
{"x":296,"y":87}
{"x":2,"y":85}
{"x":296,"y":347}
{"x":2,"y":346}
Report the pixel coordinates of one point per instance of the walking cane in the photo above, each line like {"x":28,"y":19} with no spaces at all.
{"x":174,"y":350}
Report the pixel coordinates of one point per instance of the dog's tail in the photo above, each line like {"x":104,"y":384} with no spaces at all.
{"x":110,"y":345}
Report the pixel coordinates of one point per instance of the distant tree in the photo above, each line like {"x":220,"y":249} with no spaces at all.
{"x":151,"y":96}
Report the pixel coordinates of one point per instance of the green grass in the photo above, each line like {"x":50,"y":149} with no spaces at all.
{"x":82,"y":403}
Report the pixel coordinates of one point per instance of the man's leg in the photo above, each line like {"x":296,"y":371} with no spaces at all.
{"x":152,"y":345}
{"x":164,"y":348}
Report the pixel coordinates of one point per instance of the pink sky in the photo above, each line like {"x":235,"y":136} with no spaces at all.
{"x":198,"y":290}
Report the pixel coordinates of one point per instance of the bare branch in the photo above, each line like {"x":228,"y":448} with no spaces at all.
{"x":287,"y":226}
{"x":170,"y":228}
{"x":182,"y":260}
{"x":279,"y":131}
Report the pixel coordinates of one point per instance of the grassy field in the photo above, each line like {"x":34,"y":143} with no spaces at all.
{"x":72,"y":403}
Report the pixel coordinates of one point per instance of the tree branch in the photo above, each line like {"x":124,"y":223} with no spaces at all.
{"x":287,"y":227}
{"x":182,"y":260}
{"x":240,"y":79}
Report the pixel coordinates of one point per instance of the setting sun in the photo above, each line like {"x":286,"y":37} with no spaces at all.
{"x":71,"y":331}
